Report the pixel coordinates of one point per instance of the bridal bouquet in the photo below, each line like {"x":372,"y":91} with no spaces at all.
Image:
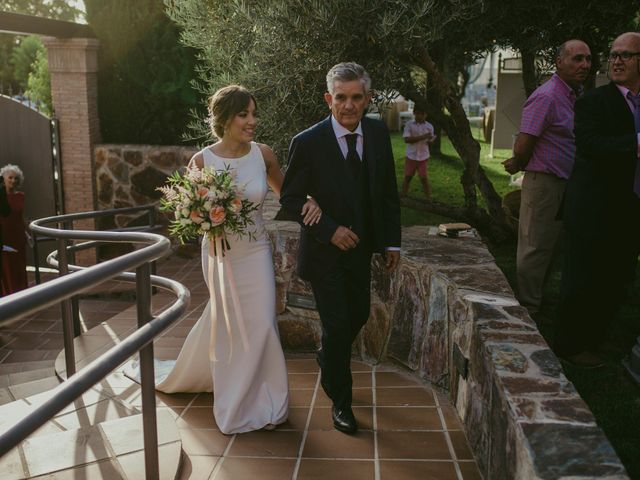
{"x":206,"y":202}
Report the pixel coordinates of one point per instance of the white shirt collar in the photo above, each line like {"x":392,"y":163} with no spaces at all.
{"x":341,"y":131}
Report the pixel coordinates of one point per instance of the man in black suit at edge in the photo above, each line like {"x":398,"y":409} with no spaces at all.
{"x":601,"y":208}
{"x":5,"y":210}
{"x":346,"y":164}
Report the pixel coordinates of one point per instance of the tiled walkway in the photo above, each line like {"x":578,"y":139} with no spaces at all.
{"x":407,"y":430}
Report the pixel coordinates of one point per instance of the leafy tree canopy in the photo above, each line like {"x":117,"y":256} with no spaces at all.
{"x":145,"y":93}
{"x":282,"y":49}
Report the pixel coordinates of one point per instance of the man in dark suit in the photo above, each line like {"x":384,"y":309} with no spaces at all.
{"x":346,"y":164}
{"x":601,"y":208}
{"x":5,"y":210}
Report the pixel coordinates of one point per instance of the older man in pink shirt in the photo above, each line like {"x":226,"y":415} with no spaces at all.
{"x":545,"y":150}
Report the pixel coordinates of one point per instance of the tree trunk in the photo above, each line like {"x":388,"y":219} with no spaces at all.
{"x":458,"y":129}
{"x":529,"y":74}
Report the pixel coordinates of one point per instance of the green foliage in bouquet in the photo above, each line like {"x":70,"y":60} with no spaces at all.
{"x":206,"y":202}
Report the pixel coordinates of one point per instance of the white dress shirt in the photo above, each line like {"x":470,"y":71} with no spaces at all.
{"x":341,"y":133}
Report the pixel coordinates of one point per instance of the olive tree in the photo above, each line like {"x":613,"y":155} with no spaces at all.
{"x":282,"y":49}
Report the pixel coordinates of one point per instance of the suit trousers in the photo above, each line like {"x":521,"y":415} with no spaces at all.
{"x":538,"y":234}
{"x":343,"y":297}
{"x":597,"y":274}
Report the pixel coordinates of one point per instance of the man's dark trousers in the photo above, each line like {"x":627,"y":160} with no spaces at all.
{"x":343,"y":299}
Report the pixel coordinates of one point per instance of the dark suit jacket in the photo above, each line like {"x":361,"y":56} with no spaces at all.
{"x":599,"y":198}
{"x":316,"y":167}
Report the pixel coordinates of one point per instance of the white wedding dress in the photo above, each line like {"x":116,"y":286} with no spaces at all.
{"x":249,"y":385}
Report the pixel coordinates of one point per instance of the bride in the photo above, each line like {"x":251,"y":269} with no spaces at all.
{"x":248,"y":378}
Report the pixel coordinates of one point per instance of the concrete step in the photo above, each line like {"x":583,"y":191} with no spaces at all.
{"x":8,"y":368}
{"x":26,"y":376}
{"x":27,"y":389}
{"x":109,"y":450}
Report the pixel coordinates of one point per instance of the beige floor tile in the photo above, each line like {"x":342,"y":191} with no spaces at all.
{"x":94,"y":414}
{"x":451,"y":418}
{"x":133,"y":464}
{"x":334,"y":444}
{"x":255,"y":468}
{"x":361,"y":397}
{"x":322,"y":419}
{"x":357,"y":366}
{"x":302,"y":365}
{"x":11,"y":467}
{"x":413,"y":445}
{"x":311,"y":469}
{"x":297,"y":419}
{"x":5,"y":396}
{"x":300,"y":398}
{"x":266,"y":444}
{"x":408,"y":418}
{"x":407,"y":470}
{"x":302,"y":380}
{"x":203,"y":400}
{"x":197,"y":467}
{"x":126,"y":434}
{"x":461,"y":445}
{"x":203,"y":442}
{"x":389,"y":397}
{"x":470,"y":471}
{"x":197,"y":417}
{"x":102,"y":470}
{"x":361,"y":380}
{"x":394,"y":379}
{"x":50,"y":453}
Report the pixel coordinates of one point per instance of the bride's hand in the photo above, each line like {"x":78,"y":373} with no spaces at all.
{"x":311,"y":212}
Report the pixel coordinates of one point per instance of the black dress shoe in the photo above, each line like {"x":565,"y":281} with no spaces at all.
{"x":343,"y":420}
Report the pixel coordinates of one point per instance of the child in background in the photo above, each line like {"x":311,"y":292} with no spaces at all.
{"x":418,"y":134}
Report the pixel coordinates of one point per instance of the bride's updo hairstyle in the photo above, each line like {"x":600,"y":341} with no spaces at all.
{"x":225,"y":104}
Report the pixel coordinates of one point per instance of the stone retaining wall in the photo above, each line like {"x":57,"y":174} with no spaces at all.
{"x":449,"y":315}
{"x":128,"y":175}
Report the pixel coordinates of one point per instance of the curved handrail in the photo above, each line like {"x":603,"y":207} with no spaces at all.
{"x":82,"y":279}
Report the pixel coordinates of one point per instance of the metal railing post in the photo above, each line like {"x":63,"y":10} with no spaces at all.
{"x":147,"y":380}
{"x":36,"y":257}
{"x":154,"y":264}
{"x":75,"y":306}
{"x":67,"y":314}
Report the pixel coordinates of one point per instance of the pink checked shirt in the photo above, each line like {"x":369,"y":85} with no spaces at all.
{"x":548,"y":115}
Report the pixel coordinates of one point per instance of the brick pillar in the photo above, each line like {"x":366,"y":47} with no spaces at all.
{"x":73,"y":65}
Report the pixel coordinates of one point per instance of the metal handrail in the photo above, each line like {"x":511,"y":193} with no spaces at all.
{"x":151,"y":213}
{"x":82,"y":279}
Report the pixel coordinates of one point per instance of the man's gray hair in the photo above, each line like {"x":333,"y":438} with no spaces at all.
{"x":346,"y":72}
{"x":9,"y":167}
{"x":562,"y":49}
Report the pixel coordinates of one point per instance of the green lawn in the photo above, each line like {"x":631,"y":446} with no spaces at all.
{"x":610,"y":392}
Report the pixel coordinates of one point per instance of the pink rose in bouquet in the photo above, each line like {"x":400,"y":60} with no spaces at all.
{"x":217,"y":215}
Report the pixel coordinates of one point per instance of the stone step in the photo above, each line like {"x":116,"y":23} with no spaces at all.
{"x":26,"y":389}
{"x":96,"y":405}
{"x":112,"y":449}
{"x":7,"y":368}
{"x":17,"y":378}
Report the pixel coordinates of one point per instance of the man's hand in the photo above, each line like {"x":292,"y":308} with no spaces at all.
{"x":391,"y":259}
{"x":512,"y":165}
{"x":344,"y":239}
{"x":311,"y":212}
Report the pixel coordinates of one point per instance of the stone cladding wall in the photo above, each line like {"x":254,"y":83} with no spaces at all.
{"x":128,"y":175}
{"x":449,"y":315}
